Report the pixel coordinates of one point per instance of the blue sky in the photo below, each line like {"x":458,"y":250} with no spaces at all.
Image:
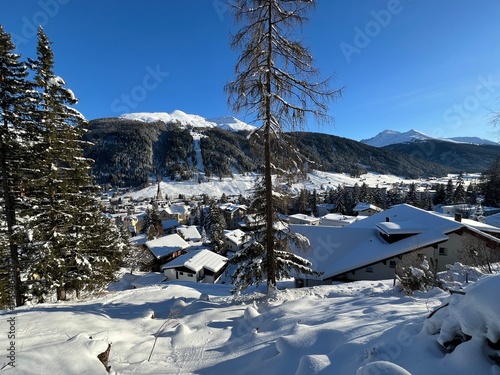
{"x":430,"y":65}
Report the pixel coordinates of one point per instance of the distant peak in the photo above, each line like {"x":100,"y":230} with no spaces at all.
{"x":389,"y":137}
{"x":189,"y":120}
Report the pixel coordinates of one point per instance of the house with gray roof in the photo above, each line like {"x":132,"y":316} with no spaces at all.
{"x":370,"y":249}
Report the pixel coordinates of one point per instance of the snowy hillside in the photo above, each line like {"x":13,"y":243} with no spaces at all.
{"x":188,"y":328}
{"x":389,"y":137}
{"x":227,"y":123}
{"x":244,"y":184}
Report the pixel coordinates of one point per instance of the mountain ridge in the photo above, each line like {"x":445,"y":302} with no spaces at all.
{"x":189,"y":120}
{"x":389,"y":137}
{"x":129,"y":153}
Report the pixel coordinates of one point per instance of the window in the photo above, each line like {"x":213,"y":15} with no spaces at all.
{"x":190,"y":275}
{"x":181,"y":273}
{"x":369,"y":269}
{"x":443,"y":251}
{"x":392,"y":264}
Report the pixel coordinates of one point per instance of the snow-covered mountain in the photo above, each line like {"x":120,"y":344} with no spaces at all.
{"x":226,"y":122}
{"x":389,"y":137}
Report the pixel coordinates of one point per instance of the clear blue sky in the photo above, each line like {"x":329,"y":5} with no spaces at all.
{"x":430,"y":65}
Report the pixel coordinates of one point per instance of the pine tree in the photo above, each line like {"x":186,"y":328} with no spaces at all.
{"x":251,"y":262}
{"x":153,"y":225}
{"x":16,"y":133}
{"x":217,"y":224}
{"x":276,"y":82}
{"x":449,"y":191}
{"x":459,"y":194}
{"x":365,"y":194}
{"x":67,"y":228}
{"x":440,"y":196}
{"x":491,"y":185}
{"x":411,"y":196}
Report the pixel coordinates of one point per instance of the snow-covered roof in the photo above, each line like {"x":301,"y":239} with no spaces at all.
{"x":169,"y":224}
{"x":361,"y":206}
{"x":493,"y":220}
{"x":337,"y":250}
{"x":304,"y":217}
{"x":197,"y":260}
{"x":402,"y":227}
{"x":138,"y":240}
{"x":337,"y":219}
{"x":190,"y":232}
{"x":180,"y":209}
{"x":166,"y":245}
{"x":231,"y":207}
{"x":236,"y":236}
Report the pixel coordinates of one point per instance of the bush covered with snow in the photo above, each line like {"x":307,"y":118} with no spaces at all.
{"x":470,"y":320}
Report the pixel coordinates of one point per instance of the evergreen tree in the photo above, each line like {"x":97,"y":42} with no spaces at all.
{"x":216,"y":230}
{"x":411,"y":195}
{"x":459,"y":194}
{"x":152,"y":223}
{"x":251,"y":262}
{"x":491,"y":184}
{"x":426,"y":201}
{"x":378,"y":199}
{"x":394,"y":196}
{"x":365,"y":194}
{"x":449,"y":192}
{"x":67,"y":232}
{"x":16,"y":133}
{"x":313,"y":203}
{"x":440,"y":196}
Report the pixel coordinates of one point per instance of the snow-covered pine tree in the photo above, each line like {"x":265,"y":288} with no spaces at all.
{"x":67,"y":228}
{"x":16,"y":133}
{"x":217,"y":224}
{"x":152,"y":222}
{"x":252,"y":261}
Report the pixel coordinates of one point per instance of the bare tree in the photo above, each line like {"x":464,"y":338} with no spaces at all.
{"x":276,"y":83}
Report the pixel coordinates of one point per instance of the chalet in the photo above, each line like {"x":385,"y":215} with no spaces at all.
{"x":366,"y":209}
{"x":202,"y":266}
{"x":179,"y":212}
{"x":371,"y":248}
{"x":303,"y":219}
{"x":165,"y":249}
{"x":233,"y":214}
{"x":235,"y":239}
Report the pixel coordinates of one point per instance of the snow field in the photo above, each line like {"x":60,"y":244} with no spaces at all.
{"x":360,"y":328}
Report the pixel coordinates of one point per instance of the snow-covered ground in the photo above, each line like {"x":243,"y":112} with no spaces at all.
{"x":243,"y":184}
{"x":186,"y":328}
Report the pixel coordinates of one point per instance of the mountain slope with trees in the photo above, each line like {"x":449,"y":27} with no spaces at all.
{"x":129,"y":152}
{"x":462,"y":156}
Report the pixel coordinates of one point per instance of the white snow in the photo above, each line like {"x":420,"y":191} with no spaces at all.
{"x":244,"y":184}
{"x":189,"y":120}
{"x":389,"y":137}
{"x":360,"y":328}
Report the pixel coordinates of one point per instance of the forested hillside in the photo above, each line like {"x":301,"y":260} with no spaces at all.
{"x":463,"y":156}
{"x":129,"y":152}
